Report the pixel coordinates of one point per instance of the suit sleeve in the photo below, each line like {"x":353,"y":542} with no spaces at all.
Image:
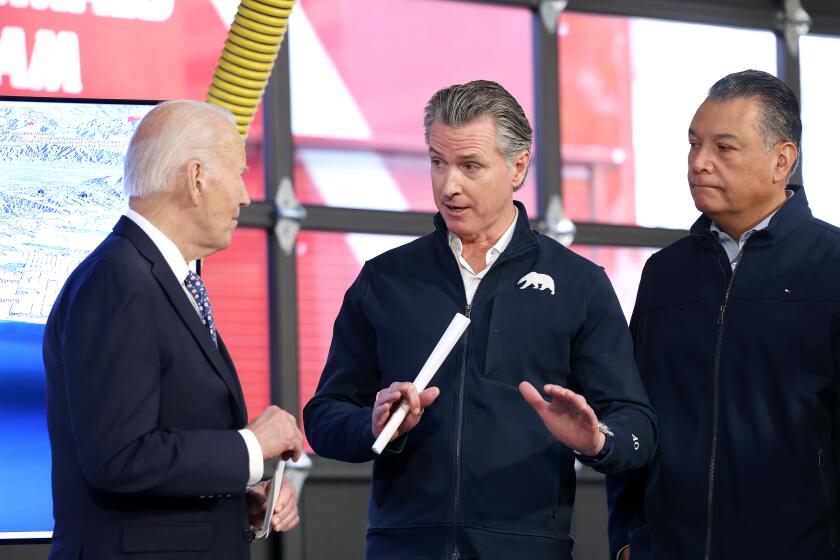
{"x":603,"y":365}
{"x":337,"y":420}
{"x":112,"y":369}
{"x":626,"y":491}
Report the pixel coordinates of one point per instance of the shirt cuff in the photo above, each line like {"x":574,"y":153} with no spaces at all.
{"x":590,"y":459}
{"x":255,"y":456}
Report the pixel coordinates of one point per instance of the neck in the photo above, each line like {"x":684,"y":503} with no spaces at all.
{"x":474,"y":248}
{"x":159,"y":212}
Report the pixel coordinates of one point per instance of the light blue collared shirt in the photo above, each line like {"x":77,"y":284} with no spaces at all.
{"x":733,"y":248}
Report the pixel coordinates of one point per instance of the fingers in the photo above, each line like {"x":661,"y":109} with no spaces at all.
{"x":573,"y":402}
{"x":428,"y":396}
{"x":388,"y":399}
{"x":286,"y":514}
{"x":277,"y":433}
{"x":280,"y":523}
{"x":532,"y":396}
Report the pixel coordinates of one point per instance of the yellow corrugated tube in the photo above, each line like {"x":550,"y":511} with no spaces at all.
{"x":251,"y":46}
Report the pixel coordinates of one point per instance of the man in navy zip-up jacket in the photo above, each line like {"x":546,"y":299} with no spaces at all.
{"x":737,"y":336}
{"x":473,"y":472}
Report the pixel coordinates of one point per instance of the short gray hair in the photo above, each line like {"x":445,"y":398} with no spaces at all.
{"x":167,"y":138}
{"x":461,"y":104}
{"x":779,"y":120}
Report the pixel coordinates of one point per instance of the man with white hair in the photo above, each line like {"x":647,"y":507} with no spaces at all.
{"x":146,"y":415}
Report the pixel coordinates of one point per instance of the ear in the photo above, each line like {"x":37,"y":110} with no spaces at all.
{"x":786,"y":156}
{"x":196,"y":184}
{"x":519,"y":168}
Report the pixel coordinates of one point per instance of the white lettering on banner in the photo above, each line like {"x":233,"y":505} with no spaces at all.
{"x":69,"y":6}
{"x":54,"y":64}
{"x":145,"y":10}
{"x":13,"y":56}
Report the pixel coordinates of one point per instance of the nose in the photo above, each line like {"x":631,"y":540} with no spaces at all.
{"x":699,"y":160}
{"x":244,"y":199}
{"x":452,"y":183}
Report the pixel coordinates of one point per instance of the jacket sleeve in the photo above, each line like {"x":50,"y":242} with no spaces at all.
{"x":626,"y":491}
{"x":603,"y":365}
{"x":112,"y":382}
{"x":337,"y":420}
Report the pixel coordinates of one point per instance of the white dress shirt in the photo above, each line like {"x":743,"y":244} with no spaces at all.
{"x":468,"y":275}
{"x":173,"y":257}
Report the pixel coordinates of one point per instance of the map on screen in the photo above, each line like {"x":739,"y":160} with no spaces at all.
{"x":62,"y":194}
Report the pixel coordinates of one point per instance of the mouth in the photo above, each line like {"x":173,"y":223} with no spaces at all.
{"x":454,"y":209}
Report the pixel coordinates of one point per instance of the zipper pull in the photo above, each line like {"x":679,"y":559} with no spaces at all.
{"x":468,"y":310}
{"x":720,"y":315}
{"x":820,"y":462}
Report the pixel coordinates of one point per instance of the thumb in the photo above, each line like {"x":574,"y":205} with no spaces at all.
{"x":532,"y":396}
{"x":428,"y":396}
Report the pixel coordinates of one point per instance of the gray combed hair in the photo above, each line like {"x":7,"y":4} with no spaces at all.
{"x":166,"y":139}
{"x":461,"y":104}
{"x":779,"y":120}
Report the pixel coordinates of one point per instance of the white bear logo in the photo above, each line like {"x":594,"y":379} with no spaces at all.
{"x":538,"y":281}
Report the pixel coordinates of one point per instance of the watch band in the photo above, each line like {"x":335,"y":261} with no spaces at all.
{"x":604,"y":429}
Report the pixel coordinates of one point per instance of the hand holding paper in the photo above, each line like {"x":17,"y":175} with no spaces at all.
{"x":273,"y":505}
{"x":389,"y":401}
{"x":414,"y":396}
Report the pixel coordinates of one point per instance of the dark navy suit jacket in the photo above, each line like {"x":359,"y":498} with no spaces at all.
{"x":142,"y":411}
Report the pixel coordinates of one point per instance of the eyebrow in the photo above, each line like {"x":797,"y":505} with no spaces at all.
{"x":721,"y":136}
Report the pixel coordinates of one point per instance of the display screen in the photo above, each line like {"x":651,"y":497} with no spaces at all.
{"x":61,"y":164}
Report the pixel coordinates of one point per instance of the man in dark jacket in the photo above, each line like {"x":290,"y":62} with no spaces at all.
{"x":479,"y":476}
{"x":737,"y":336}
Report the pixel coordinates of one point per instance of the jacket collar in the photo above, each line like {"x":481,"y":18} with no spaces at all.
{"x":787,"y":219}
{"x":523,"y":235}
{"x":178,"y":298}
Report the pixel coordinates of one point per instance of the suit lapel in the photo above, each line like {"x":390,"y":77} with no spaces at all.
{"x":218,"y":357}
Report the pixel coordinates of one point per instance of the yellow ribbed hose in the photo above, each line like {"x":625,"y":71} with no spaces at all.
{"x":248,"y":56}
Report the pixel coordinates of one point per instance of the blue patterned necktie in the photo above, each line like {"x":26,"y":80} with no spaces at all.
{"x":199,"y":293}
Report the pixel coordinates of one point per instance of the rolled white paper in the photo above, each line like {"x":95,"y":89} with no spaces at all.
{"x":271,"y":499}
{"x":444,"y":346}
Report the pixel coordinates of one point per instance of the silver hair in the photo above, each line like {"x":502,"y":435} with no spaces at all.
{"x":461,"y":104}
{"x":167,"y":138}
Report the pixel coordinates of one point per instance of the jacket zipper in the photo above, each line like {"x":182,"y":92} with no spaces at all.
{"x":832,"y":506}
{"x":459,"y":433}
{"x":715,"y":407}
{"x":459,"y":426}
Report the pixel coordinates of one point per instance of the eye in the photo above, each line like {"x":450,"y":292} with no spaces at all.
{"x":471,"y":166}
{"x":436,"y":162}
{"x":724,"y":148}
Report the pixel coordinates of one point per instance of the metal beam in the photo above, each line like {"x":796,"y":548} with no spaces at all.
{"x":278,"y":160}
{"x":754,"y":14}
{"x":547,"y":106}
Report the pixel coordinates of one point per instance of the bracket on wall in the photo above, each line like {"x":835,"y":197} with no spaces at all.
{"x":794,"y":22}
{"x":557,"y":224}
{"x":550,"y":11}
{"x":290,"y":214}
